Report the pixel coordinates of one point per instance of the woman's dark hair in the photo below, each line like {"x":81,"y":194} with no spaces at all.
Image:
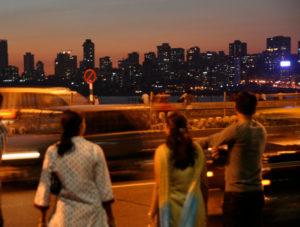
{"x":70,"y":122}
{"x":179,"y":137}
{"x":246,"y":103}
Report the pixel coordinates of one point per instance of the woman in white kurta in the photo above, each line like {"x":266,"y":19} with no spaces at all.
{"x":86,"y":193}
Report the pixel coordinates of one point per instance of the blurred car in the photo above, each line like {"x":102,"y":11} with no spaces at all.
{"x":126,"y":133}
{"x":24,"y":110}
{"x":118,"y":129}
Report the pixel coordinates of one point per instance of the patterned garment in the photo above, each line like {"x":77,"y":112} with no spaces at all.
{"x":85,"y":185}
{"x":3,"y":136}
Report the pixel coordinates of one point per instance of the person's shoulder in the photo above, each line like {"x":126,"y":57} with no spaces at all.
{"x":260,"y":127}
{"x":52,"y":150}
{"x":231,"y":127}
{"x":197,"y":146}
{"x":162,"y":147}
{"x":53,"y":147}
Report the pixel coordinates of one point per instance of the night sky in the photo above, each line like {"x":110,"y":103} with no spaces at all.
{"x":118,"y":27}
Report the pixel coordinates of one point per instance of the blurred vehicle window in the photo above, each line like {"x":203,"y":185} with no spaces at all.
{"x":48,"y":100}
{"x":116,"y":121}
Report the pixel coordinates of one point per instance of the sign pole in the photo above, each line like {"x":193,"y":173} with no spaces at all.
{"x":91,"y":93}
{"x":90,"y":77}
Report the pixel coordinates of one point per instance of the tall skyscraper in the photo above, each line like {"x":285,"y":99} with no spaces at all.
{"x":65,"y":65}
{"x":299,"y":51}
{"x":40,"y":71}
{"x":237,"y":49}
{"x":164,"y":56}
{"x":28,"y":62}
{"x":149,"y":65}
{"x":88,"y":54}
{"x":193,"y":58}
{"x":105,"y":64}
{"x":298,"y":60}
{"x":149,"y":57}
{"x":279,"y":46}
{"x":133,"y":59}
{"x":177,"y":55}
{"x":3,"y":55}
{"x":193,"y":54}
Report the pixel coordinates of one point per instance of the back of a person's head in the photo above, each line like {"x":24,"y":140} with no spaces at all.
{"x":246,"y":103}
{"x":178,"y":136}
{"x":176,"y":123}
{"x":70,"y":122}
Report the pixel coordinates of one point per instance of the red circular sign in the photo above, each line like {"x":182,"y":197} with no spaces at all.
{"x":90,"y":76}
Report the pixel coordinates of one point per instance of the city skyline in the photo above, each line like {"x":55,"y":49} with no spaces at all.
{"x":121,"y":27}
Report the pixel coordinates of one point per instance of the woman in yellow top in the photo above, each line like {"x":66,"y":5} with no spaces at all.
{"x":180,"y":192}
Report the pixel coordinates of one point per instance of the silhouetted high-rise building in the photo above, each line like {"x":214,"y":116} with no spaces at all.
{"x":279,"y":45}
{"x":40,"y":70}
{"x":105,"y":64}
{"x":297,"y":70}
{"x":28,"y":62}
{"x":237,"y":49}
{"x":10,"y":74}
{"x":298,"y":50}
{"x":89,"y":54}
{"x":193,"y":58}
{"x":3,"y":55}
{"x":65,"y":65}
{"x":40,"y":67}
{"x":149,"y":57}
{"x":177,"y":55}
{"x":164,"y":52}
{"x":149,"y":65}
{"x":193,"y":54}
{"x":164,"y":56}
{"x":133,"y":59}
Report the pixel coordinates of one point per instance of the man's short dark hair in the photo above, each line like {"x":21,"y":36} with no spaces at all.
{"x":246,"y":103}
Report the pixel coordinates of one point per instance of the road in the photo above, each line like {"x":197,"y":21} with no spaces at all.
{"x":132,"y":202}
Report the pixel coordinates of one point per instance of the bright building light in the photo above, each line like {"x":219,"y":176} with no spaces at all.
{"x":209,"y":173}
{"x":266,"y":182}
{"x":285,"y":63}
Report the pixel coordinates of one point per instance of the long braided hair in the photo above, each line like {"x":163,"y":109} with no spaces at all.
{"x":70,"y":122}
{"x":178,"y":139}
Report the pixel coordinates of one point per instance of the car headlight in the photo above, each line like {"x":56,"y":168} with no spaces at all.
{"x":21,"y":155}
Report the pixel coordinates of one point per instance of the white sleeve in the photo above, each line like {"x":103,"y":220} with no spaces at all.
{"x":102,"y":176}
{"x":42,"y":196}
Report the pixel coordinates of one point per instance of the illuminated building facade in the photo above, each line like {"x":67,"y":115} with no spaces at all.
{"x":105,"y":64}
{"x":278,"y":49}
{"x":164,"y":57}
{"x":279,"y":46}
{"x":237,"y":49}
{"x":88,"y":54}
{"x":65,"y":65}
{"x":40,"y":71}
